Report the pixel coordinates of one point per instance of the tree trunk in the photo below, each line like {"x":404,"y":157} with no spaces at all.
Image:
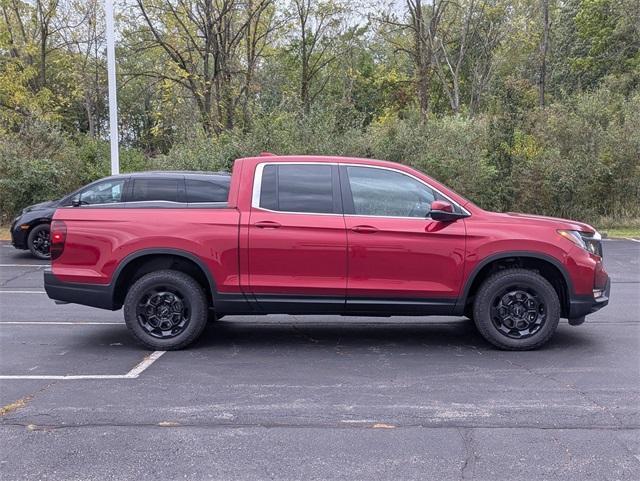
{"x":423,"y":58}
{"x":544,"y":47}
{"x":43,"y":57}
{"x":304,"y":79}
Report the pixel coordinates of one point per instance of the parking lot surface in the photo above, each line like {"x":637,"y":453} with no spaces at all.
{"x":314,"y":398}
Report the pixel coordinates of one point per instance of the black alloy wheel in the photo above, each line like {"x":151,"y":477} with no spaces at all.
{"x":518,"y":312}
{"x":39,"y":242}
{"x":166,"y":310}
{"x":516,"y":309}
{"x":163,"y":312}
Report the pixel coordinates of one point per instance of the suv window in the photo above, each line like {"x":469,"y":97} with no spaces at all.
{"x":381,"y":192}
{"x":298,"y":188}
{"x":162,"y":188}
{"x":107,"y":192}
{"x":207,"y":190}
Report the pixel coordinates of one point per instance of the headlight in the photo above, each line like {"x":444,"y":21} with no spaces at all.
{"x":587,"y":240}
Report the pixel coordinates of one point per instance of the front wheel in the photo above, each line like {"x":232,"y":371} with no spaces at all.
{"x":39,"y":242}
{"x":516,"y":309}
{"x":166,"y":310}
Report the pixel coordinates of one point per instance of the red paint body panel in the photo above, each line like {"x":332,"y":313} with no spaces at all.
{"x":319,"y":255}
{"x":306,"y":254}
{"x":418,"y":258}
{"x":98,"y":240}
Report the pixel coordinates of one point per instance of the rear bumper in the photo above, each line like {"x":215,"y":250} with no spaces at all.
{"x":94,"y":295}
{"x":583,"y":305}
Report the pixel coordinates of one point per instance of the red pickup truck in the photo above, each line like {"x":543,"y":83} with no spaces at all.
{"x":329,"y":235}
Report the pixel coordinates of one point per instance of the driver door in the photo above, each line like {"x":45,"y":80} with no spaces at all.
{"x":397,"y":254}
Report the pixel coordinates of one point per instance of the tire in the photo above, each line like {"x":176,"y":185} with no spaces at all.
{"x":166,"y":310}
{"x":39,"y":242}
{"x":517,"y":310}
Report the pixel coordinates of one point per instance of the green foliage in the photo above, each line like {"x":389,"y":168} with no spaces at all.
{"x":42,"y":163}
{"x":186,"y":102}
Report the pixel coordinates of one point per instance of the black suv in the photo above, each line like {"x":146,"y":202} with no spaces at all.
{"x":30,"y":230}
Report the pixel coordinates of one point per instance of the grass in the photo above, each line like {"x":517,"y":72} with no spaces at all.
{"x":619,"y":228}
{"x":613,"y":232}
{"x":4,"y":233}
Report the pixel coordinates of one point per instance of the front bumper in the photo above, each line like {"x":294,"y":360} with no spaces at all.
{"x":580,"y":306}
{"x":18,"y":235}
{"x":94,"y":295}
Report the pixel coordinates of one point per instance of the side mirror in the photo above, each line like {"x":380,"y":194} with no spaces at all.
{"x":442,"y":211}
{"x":76,"y":202}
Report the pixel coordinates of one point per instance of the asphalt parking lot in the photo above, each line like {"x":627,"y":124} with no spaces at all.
{"x":314,"y":398}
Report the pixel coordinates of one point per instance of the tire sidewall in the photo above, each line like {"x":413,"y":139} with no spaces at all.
{"x":503,"y":280}
{"x":30,"y":237}
{"x":188,"y":288}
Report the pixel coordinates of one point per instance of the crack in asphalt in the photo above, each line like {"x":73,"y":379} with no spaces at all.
{"x":23,"y":401}
{"x":468,"y":468}
{"x":11,"y":279}
{"x":571,"y":387}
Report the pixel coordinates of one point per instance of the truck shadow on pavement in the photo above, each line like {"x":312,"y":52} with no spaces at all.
{"x":456,"y":334}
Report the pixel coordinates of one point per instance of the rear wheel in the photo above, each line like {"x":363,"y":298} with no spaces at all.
{"x":39,"y":242}
{"x":516,"y":309}
{"x":166,"y":310}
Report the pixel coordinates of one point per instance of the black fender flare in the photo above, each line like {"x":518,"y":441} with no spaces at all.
{"x":462,"y":299}
{"x":164,"y":251}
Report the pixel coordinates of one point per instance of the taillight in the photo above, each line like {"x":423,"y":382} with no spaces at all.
{"x":58,"y":237}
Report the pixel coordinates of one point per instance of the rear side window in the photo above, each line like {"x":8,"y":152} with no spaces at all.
{"x":163,"y":189}
{"x":298,"y":188}
{"x":207,"y":191}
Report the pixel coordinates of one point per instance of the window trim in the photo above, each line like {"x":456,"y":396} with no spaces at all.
{"x":257,"y":187}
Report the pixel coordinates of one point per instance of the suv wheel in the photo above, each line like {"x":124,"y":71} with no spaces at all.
{"x":516,"y":309}
{"x":39,"y":242}
{"x":166,"y":310}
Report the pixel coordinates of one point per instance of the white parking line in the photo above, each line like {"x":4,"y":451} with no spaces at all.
{"x":61,"y":323}
{"x":25,"y":265}
{"x":22,"y":292}
{"x":132,"y":374}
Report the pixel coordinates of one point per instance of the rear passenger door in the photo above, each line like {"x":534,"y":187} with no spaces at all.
{"x":297,"y":238}
{"x":160,"y":191}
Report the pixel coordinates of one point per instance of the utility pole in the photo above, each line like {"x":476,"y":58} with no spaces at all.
{"x":113,"y":100}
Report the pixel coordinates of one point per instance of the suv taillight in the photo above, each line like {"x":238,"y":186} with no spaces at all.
{"x":58,"y":237}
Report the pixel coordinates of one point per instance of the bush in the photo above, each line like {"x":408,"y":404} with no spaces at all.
{"x":579,"y":159}
{"x":41,"y":163}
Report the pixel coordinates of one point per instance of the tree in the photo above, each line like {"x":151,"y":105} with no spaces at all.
{"x":200,"y":39}
{"x":318,"y":28}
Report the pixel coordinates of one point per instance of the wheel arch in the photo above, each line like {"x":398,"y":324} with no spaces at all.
{"x":141,"y":262}
{"x":549,"y":267}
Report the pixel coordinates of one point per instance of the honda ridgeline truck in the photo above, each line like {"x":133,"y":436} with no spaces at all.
{"x":320,"y":235}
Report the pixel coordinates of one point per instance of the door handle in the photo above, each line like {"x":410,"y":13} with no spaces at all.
{"x":364,"y":229}
{"x":267,"y":224}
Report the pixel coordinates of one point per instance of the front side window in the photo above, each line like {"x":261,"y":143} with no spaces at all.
{"x":157,"y":189}
{"x":107,"y":192}
{"x":381,"y":192}
{"x":298,"y":188}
